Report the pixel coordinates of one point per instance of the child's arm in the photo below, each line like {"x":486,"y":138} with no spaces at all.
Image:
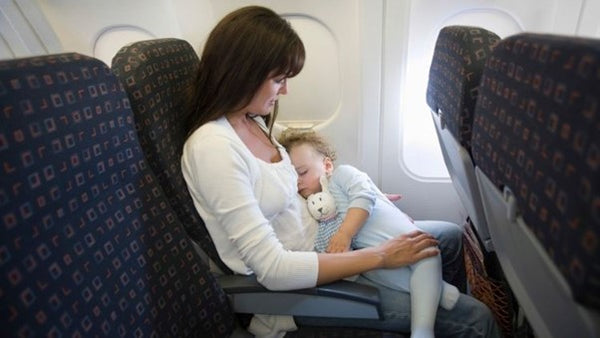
{"x":354,"y":220}
{"x":393,"y":197}
{"x":357,"y":186}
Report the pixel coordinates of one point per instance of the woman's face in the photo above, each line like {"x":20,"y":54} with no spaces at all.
{"x":264,"y":100}
{"x":310,"y":166}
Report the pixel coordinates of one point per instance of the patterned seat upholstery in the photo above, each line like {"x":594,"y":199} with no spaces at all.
{"x":458,"y":59}
{"x":89,"y":245}
{"x":536,"y":146}
{"x":156,"y":74}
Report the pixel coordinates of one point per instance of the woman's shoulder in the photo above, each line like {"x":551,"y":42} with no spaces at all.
{"x":216,"y":127}
{"x":213,"y":136}
{"x":214,"y":131}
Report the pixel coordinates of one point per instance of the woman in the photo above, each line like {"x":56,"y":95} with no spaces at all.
{"x":247,"y":195}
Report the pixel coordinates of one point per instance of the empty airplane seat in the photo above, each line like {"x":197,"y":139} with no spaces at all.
{"x":536,"y":146}
{"x":156,"y":74}
{"x":89,"y":244}
{"x":458,"y":59}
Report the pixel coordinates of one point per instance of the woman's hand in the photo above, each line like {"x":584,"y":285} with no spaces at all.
{"x":397,"y":252}
{"x":408,"y":249}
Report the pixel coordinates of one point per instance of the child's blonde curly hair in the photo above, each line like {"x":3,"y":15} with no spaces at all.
{"x":291,"y":138}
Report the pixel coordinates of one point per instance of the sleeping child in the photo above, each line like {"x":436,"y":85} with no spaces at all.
{"x":359,"y":215}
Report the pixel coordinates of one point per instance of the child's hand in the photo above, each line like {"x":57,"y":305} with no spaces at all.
{"x":393,"y":197}
{"x":340,"y":242}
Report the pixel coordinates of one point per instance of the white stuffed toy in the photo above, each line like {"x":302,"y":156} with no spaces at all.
{"x":321,"y":206}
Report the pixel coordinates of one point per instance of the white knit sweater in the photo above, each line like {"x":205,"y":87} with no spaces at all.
{"x":250,"y":208}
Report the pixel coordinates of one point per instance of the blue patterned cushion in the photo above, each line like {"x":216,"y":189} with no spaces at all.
{"x":89,"y":245}
{"x":156,"y":74}
{"x":458,"y":59}
{"x":537,"y":132}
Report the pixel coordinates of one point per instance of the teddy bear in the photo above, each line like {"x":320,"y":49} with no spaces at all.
{"x":321,"y":206}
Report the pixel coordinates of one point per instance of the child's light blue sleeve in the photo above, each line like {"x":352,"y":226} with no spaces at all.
{"x":356,"y":186}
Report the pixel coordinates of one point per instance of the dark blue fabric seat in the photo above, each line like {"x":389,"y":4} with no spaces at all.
{"x":536,"y":146}
{"x":458,"y":59}
{"x":156,"y":75}
{"x":89,"y":243}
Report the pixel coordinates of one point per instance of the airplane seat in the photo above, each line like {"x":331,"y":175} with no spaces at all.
{"x":155,"y":74}
{"x":454,"y":75}
{"x":89,"y":244}
{"x":535,"y":144}
{"x":456,"y":67}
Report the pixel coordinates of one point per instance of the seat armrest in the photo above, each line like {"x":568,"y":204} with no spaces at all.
{"x":341,"y":299}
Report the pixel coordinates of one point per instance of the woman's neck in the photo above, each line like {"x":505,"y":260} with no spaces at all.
{"x":254,"y":137}
{"x":238,"y":119}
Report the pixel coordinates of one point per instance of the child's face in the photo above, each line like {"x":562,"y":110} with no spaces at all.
{"x":310,"y":166}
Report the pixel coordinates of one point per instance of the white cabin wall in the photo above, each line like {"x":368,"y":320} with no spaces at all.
{"x":88,"y":20}
{"x":196,"y":19}
{"x":371,"y":81}
{"x":98,"y":28}
{"x":588,"y":24}
{"x":24,"y":30}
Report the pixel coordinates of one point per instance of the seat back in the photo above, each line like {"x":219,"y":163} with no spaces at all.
{"x":458,"y":59}
{"x":536,"y":146}
{"x":156,"y":74}
{"x":89,"y":245}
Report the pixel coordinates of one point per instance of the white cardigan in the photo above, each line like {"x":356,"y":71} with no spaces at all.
{"x":250,"y":208}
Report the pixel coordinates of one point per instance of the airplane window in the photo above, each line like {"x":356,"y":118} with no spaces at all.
{"x":111,"y":40}
{"x":420,"y":140}
{"x":315,"y":93}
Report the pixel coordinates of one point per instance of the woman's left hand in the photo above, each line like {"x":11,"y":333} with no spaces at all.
{"x":408,"y":249}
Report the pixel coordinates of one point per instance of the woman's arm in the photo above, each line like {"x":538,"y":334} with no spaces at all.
{"x":397,"y":252}
{"x":224,"y":195}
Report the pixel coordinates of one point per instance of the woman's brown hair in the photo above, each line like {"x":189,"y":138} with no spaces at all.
{"x":243,"y":49}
